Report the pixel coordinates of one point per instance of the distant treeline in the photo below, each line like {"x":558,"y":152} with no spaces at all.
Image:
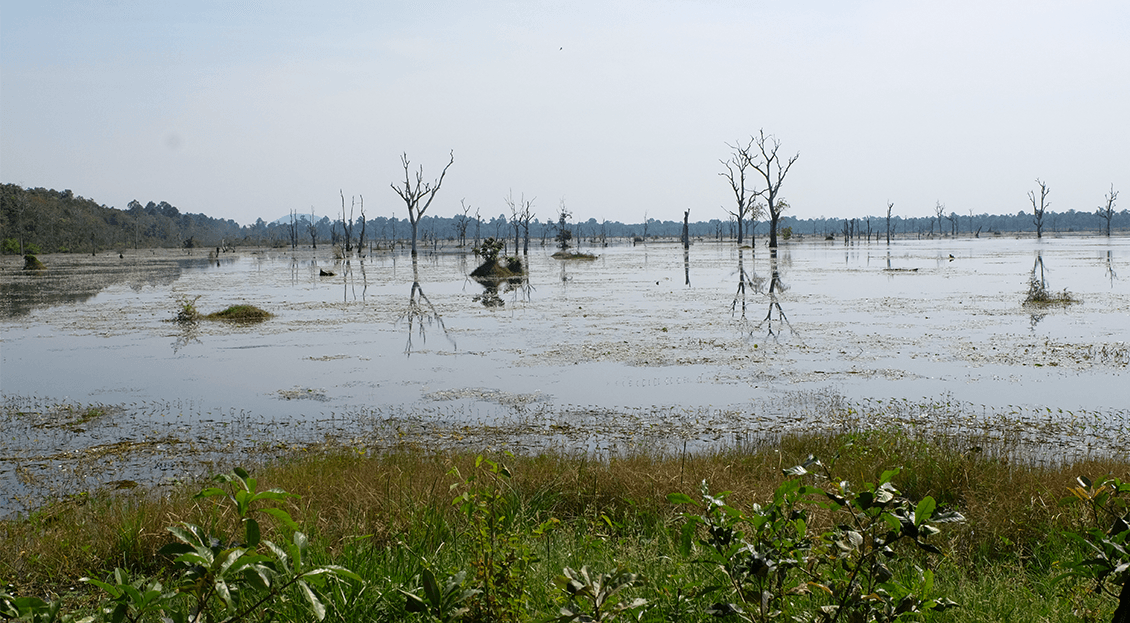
{"x":38,"y":220}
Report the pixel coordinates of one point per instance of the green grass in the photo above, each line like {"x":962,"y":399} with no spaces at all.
{"x":240,"y":313}
{"x":389,"y":517}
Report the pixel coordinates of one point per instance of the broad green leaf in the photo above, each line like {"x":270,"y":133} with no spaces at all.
{"x":924,"y":510}
{"x":251,"y":531}
{"x":315,"y":604}
{"x":679,"y":498}
{"x":282,"y":516}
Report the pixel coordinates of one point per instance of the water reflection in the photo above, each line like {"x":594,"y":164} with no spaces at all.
{"x":776,"y":285}
{"x":746,"y":280}
{"x":1110,"y":267}
{"x":349,"y":281}
{"x":421,"y":312}
{"x":187,"y":334}
{"x":69,"y":280}
{"x":687,"y":264}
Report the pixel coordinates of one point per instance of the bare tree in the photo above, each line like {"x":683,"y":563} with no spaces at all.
{"x":347,"y":222}
{"x":774,"y":172}
{"x":361,"y":238}
{"x":890,"y":206}
{"x":416,"y":191}
{"x":952,"y":218}
{"x":464,"y":220}
{"x":939,"y":212}
{"x":1038,"y":209}
{"x":520,"y":216}
{"x":1107,"y":211}
{"x":312,"y":229}
{"x":740,"y":162}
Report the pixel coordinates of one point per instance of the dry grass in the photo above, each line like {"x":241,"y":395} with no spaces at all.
{"x":1011,"y":507}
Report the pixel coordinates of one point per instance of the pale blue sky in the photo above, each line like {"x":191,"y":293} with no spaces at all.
{"x":249,"y":109}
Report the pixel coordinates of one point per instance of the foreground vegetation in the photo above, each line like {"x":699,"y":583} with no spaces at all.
{"x":870,"y":526}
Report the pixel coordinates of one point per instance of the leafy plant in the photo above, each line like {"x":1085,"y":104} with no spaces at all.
{"x":238,"y":582}
{"x":769,"y":557}
{"x":596,"y":597}
{"x":1106,"y":550}
{"x":186,"y":309}
{"x":489,"y":250}
{"x":441,"y":603}
{"x":501,"y":556}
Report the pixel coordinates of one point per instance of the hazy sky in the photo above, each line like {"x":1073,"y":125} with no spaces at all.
{"x":249,"y":109}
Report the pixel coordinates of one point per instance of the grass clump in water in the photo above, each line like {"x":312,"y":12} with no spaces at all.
{"x":241,"y":313}
{"x":32,"y":263}
{"x":573,"y":255}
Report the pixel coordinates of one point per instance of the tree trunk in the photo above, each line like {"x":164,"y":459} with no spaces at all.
{"x":414,"y":224}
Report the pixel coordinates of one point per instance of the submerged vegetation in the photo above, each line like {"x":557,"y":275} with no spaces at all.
{"x":866,"y":526}
{"x":187,"y":312}
{"x":32,"y":263}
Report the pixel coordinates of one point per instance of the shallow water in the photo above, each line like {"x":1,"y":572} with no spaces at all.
{"x":646,"y":344}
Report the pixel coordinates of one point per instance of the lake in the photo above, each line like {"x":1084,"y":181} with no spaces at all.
{"x":645,"y":346}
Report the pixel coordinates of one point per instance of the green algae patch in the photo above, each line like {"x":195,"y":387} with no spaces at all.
{"x":241,"y":313}
{"x":568,"y":255}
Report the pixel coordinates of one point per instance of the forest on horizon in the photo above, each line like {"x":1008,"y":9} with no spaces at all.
{"x":39,"y":220}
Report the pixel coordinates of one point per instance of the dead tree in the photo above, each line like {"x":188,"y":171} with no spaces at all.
{"x":464,"y":220}
{"x":686,"y":229}
{"x":774,"y":172}
{"x":361,"y":238}
{"x":520,"y":216}
{"x":312,"y":229}
{"x":740,"y":162}
{"x":1039,"y":208}
{"x":1107,"y":211}
{"x":347,"y":222}
{"x":939,"y":211}
{"x":952,"y":218}
{"x":416,"y":191}
{"x":890,"y":206}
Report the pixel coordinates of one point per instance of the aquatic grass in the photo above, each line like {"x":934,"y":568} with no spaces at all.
{"x":241,"y":313}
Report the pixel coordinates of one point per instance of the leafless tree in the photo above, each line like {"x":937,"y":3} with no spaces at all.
{"x":361,"y":238}
{"x":737,"y":167}
{"x":312,"y":229}
{"x":939,"y":212}
{"x":293,"y":229}
{"x":774,"y":172}
{"x":952,"y":218}
{"x":1107,"y":211}
{"x":416,"y":191}
{"x":347,"y":221}
{"x":686,"y":232}
{"x":890,"y":206}
{"x":461,"y":224}
{"x":520,"y":216}
{"x":1039,"y":208}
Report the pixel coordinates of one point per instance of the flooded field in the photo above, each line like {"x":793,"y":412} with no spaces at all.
{"x":647,"y":345}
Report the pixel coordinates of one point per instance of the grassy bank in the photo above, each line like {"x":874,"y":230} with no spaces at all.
{"x":510,"y":526}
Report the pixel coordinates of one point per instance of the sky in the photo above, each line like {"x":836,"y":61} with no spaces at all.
{"x":621,"y":109}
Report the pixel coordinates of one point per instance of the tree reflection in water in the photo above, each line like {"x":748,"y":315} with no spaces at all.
{"x":776,"y":285}
{"x":421,"y":312}
{"x":751,"y":280}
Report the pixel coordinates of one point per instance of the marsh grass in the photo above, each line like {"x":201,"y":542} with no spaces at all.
{"x":572,"y":255}
{"x":389,"y":516}
{"x":241,"y":313}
